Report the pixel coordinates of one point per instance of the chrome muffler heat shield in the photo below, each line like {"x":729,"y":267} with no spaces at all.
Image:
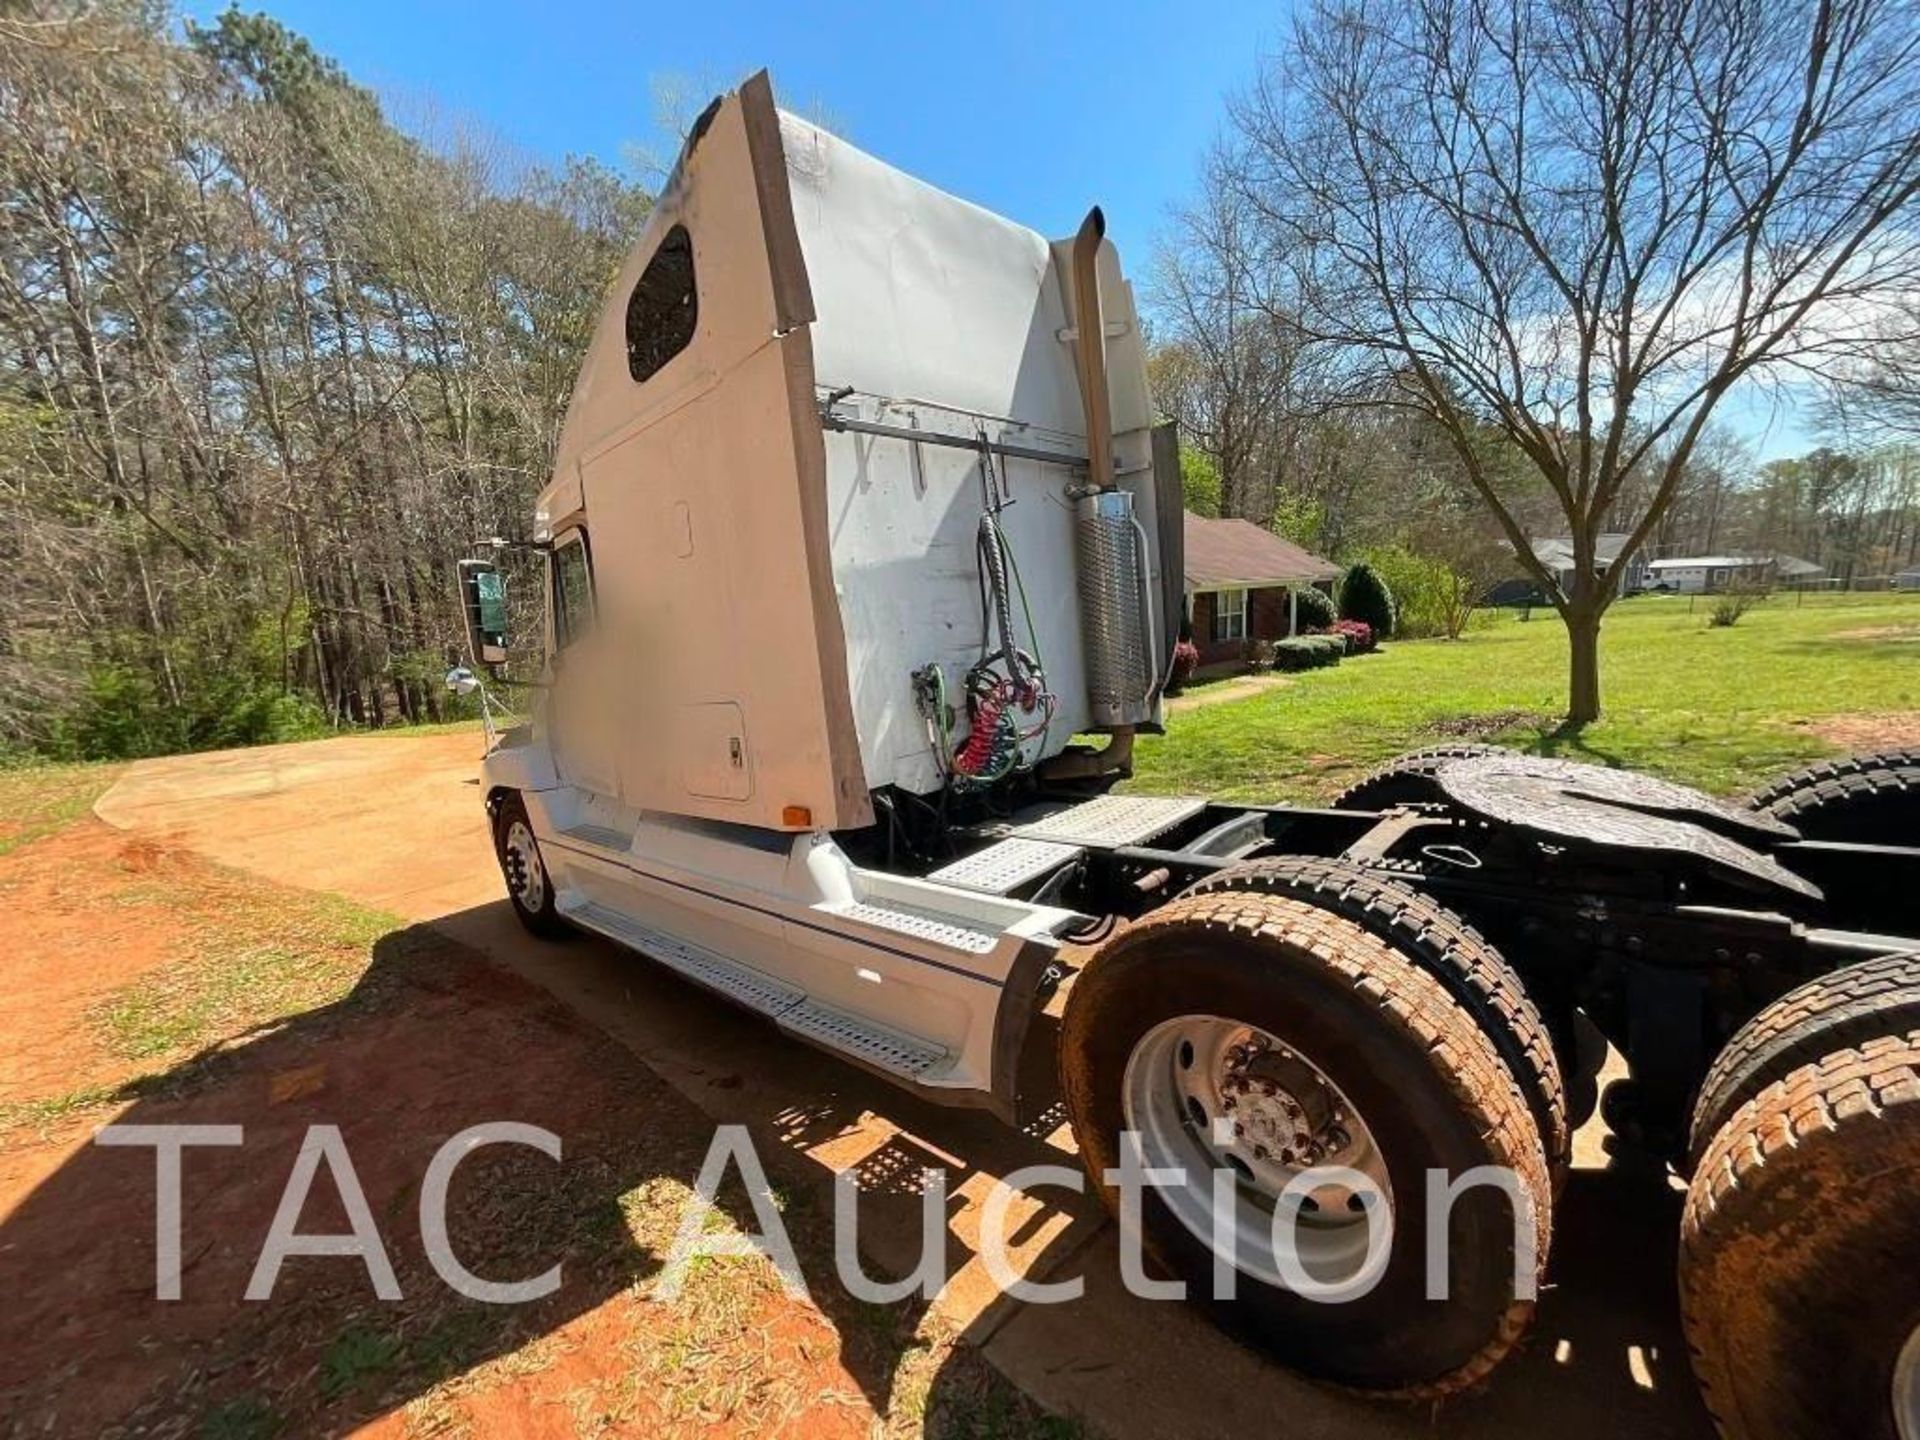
{"x":1113,"y":622}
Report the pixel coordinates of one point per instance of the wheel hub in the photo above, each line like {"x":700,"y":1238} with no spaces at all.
{"x":1204,"y":1095}
{"x":1281,"y":1107}
{"x":526,"y":877}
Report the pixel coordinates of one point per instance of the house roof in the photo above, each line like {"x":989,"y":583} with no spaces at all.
{"x":1716,"y":562}
{"x":1557,"y":553}
{"x":1794,"y":566}
{"x":1232,"y":553}
{"x":1554,"y":554}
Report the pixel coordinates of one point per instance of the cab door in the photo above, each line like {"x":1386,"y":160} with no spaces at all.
{"x":580,"y":705}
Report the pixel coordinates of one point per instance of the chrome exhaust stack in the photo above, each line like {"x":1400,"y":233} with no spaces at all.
{"x":1110,"y":548}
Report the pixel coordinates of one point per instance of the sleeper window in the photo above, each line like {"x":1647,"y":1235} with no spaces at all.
{"x":572,"y":593}
{"x":664,"y":307}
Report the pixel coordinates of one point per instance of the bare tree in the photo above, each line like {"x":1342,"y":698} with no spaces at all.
{"x":1879,"y":396}
{"x":1584,"y":222}
{"x":1227,"y":359}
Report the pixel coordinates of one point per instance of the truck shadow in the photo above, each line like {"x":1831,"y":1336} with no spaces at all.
{"x":466,"y":1022}
{"x":1605,"y":1354}
{"x":433,"y":1039}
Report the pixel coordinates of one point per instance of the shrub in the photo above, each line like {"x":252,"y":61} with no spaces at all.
{"x":1293,"y":654}
{"x":1314,"y":607}
{"x":1738,"y":598}
{"x":1358,"y":634}
{"x":1260,"y":655}
{"x":1364,"y":596}
{"x":1306,"y":652}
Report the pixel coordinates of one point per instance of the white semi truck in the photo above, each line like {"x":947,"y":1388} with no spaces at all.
{"x":861,"y":525}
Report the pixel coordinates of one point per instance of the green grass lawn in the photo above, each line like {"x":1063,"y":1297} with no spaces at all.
{"x":1721,"y":709}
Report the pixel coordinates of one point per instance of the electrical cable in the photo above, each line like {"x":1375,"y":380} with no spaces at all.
{"x":1006,"y":687}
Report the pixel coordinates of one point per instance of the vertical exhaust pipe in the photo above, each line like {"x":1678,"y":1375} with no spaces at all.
{"x":1090,"y":345}
{"x":1107,"y":544}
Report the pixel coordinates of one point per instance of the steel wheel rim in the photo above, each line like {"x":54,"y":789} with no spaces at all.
{"x":1906,"y":1388}
{"x":526,"y":877}
{"x":1188,"y":1062}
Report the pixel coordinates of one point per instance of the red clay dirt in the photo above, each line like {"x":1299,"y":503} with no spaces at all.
{"x":426,"y":1040}
{"x":398,"y":822}
{"x":1865,"y":734}
{"x":52,"y":981}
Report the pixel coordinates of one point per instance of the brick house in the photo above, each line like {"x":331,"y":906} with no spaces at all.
{"x":1240,"y":581}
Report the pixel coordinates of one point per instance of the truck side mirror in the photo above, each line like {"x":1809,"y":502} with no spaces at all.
{"x":483,"y":594}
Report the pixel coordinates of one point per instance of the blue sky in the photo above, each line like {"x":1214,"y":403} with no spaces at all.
{"x":1034,"y":110}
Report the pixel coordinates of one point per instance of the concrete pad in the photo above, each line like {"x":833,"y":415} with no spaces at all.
{"x":397,"y":822}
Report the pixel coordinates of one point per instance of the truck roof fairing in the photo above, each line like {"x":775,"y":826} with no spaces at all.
{"x":767,"y":572}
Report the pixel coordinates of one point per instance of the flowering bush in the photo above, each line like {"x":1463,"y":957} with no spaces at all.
{"x":1360,"y":637}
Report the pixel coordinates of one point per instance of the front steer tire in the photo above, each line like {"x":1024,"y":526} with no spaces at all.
{"x":1799,"y":1247}
{"x":1415,"y":1066}
{"x":529,"y":886}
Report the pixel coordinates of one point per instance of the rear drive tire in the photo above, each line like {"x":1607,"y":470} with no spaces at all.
{"x":1799,"y":1244}
{"x":1828,"y":1014}
{"x":1865,"y":799}
{"x":1408,"y":780}
{"x":1473,"y":972}
{"x":529,"y":887}
{"x":1406,"y":1082}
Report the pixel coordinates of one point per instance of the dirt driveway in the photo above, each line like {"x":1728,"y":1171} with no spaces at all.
{"x":397,"y":822}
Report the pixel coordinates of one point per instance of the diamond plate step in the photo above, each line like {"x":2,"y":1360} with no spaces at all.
{"x":1114,"y":820}
{"x":741,"y":983}
{"x":903,"y":1055}
{"x":837,"y":1030}
{"x":920,"y":924}
{"x":603,"y":837}
{"x":1006,"y":865}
